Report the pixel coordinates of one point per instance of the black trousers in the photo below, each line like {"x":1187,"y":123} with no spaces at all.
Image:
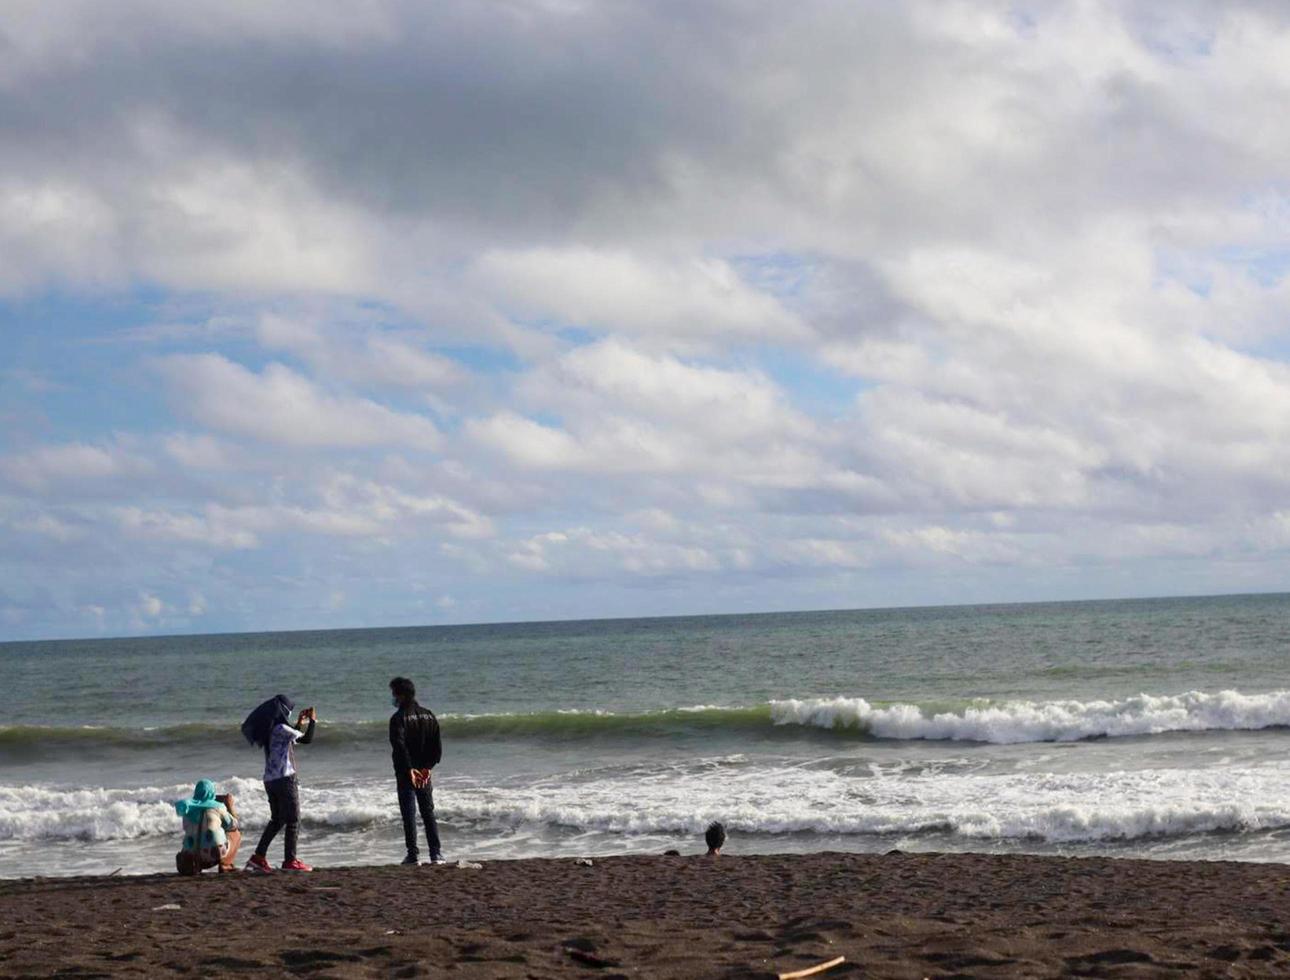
{"x":410,"y":800}
{"x":284,"y":811}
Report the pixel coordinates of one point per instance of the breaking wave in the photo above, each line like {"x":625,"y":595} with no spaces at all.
{"x":757,"y":799}
{"x":99,"y":814}
{"x":982,"y":720}
{"x":1009,"y":722}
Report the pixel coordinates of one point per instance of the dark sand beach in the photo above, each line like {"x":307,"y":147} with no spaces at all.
{"x":895,"y":915}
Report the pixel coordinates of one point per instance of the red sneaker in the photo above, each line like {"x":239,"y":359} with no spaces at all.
{"x":259,"y":864}
{"x":295,"y":864}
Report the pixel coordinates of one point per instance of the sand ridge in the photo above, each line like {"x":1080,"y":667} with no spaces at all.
{"x":896,"y":915}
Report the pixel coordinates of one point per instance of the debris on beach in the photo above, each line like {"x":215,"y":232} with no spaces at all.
{"x":168,"y":907}
{"x":585,"y":862}
{"x":474,"y":865}
{"x":590,"y":959}
{"x":813,"y":970}
{"x":583,"y":949}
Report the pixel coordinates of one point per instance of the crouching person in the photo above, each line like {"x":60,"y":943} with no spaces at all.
{"x":211,"y":834}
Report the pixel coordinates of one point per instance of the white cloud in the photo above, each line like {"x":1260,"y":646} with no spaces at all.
{"x":70,"y":463}
{"x":202,"y":452}
{"x":393,"y":507}
{"x":281,"y":406}
{"x":685,"y":301}
{"x":216,"y":527}
{"x":969,"y":545}
{"x":54,"y":230}
{"x":528,"y":443}
{"x":342,"y":506}
{"x":379,"y":359}
{"x":729,"y":404}
{"x":1063,"y":381}
{"x":585,"y":553}
{"x":627,"y":412}
{"x":251,"y":227}
{"x":50,"y":526}
{"x":777,"y":301}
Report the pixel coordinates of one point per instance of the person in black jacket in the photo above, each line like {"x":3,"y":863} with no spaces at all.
{"x":414,"y":737}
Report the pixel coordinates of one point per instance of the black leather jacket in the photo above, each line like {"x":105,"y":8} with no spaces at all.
{"x":414,"y":737}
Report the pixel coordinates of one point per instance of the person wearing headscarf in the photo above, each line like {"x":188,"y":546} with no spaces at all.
{"x":211,"y":832}
{"x":269,"y":726}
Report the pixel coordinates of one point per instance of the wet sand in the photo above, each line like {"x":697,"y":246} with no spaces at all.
{"x":895,"y":915}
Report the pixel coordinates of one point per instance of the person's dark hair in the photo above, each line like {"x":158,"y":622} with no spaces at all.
{"x":403,"y":689}
{"x":715,"y":836}
{"x":260,"y":723}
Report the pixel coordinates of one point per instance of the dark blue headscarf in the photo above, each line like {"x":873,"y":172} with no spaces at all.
{"x":259,"y":723}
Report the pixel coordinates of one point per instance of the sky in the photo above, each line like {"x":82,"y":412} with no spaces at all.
{"x":373,"y":312}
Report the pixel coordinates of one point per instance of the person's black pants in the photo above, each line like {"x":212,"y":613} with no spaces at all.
{"x":284,"y":811}
{"x":410,"y":800}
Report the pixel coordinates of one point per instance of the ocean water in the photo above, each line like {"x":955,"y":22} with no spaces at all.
{"x":1150,"y":728}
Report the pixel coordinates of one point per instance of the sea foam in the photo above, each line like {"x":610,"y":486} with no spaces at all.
{"x":99,"y":814}
{"x":1048,"y":807}
{"x":749,"y":798}
{"x":1009,"y":722}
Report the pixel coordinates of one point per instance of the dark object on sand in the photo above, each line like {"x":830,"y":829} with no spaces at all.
{"x":673,"y":853}
{"x":584,"y":950}
{"x":715,"y":837}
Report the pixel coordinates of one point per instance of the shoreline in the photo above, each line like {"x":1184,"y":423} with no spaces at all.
{"x":896,"y":915}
